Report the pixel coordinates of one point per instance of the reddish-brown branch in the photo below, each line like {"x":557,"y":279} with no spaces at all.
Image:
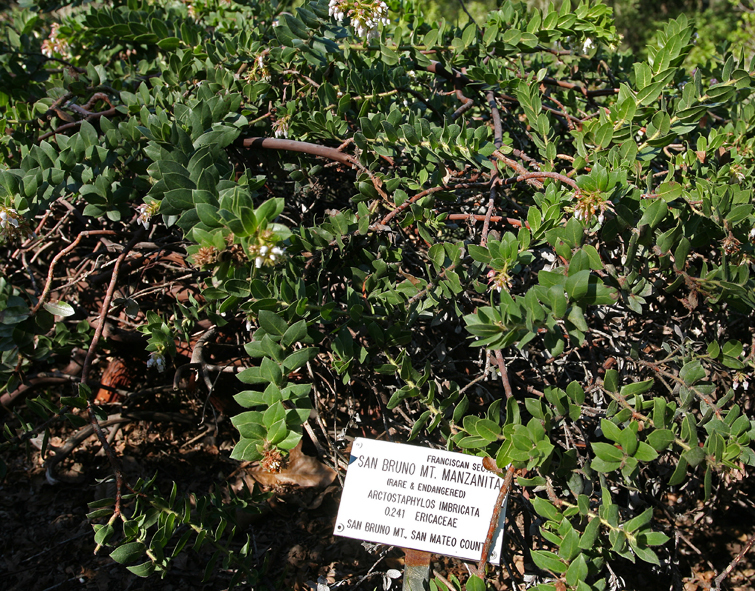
{"x":727,"y":571}
{"x":57,"y":258}
{"x":508,"y":479}
{"x":115,"y":464}
{"x":66,"y":126}
{"x":10,"y":398}
{"x":548,"y":175}
{"x":504,"y":373}
{"x":497,"y":129}
{"x":581,"y":89}
{"x":488,"y":215}
{"x":513,"y":164}
{"x":269,"y":143}
{"x":392,"y":214}
{"x":481,"y":218}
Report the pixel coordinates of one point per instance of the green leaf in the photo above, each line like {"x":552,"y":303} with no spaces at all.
{"x":692,"y":372}
{"x":548,"y":561}
{"x":475,"y":583}
{"x":299,"y":358}
{"x":59,"y":309}
{"x":272,"y":324}
{"x":611,"y":380}
{"x":637,"y":522}
{"x":577,"y":570}
{"x":636,"y":388}
{"x":610,"y":430}
{"x":645,"y":452}
{"x":294,"y":333}
{"x":643,"y":553}
{"x":128,"y":552}
{"x":660,"y":439}
{"x":143,"y":570}
{"x":546,"y":509}
{"x":608,"y":452}
{"x":590,"y":535}
{"x":654,"y":214}
{"x":488,"y":430}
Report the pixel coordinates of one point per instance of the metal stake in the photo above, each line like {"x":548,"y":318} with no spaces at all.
{"x":416,"y":570}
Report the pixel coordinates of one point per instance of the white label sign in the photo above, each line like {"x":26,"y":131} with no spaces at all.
{"x":415,"y":497}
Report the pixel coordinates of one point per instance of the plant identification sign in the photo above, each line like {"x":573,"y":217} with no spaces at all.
{"x":415,"y":497}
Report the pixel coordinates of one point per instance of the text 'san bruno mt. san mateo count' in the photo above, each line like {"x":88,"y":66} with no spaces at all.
{"x":420,"y":498}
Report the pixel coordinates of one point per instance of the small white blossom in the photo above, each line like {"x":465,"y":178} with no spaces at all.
{"x":146,"y":211}
{"x":752,"y":234}
{"x":281,"y":126}
{"x":156,"y":360}
{"x":53,"y":45}
{"x":12,"y":225}
{"x":587,"y":45}
{"x":740,"y":379}
{"x":365,"y":15}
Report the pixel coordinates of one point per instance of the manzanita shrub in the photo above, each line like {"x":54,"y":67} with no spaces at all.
{"x":531,"y":244}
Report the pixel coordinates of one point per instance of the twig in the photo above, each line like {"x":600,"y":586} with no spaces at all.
{"x":504,"y":373}
{"x":488,"y":213}
{"x":489,"y":464}
{"x":497,"y":129}
{"x":108,"y":113}
{"x":115,"y":464}
{"x":493,"y":218}
{"x":418,"y":196}
{"x":727,"y":571}
{"x":269,"y":143}
{"x":59,"y":256}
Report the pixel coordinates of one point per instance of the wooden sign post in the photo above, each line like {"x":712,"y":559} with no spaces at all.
{"x":424,"y":500}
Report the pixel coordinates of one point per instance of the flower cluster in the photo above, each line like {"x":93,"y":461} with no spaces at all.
{"x":258,"y":69}
{"x":264,"y":252}
{"x":592,"y":204}
{"x":499,"y":280}
{"x":12,"y":225}
{"x":365,"y":15}
{"x":53,"y":45}
{"x":281,"y":126}
{"x":156,"y":360}
{"x":146,"y":211}
{"x":740,"y":378}
{"x":206,"y":256}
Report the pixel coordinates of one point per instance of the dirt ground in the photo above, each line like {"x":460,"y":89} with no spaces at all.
{"x":47,"y":541}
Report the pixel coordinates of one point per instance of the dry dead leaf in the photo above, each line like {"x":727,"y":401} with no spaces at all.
{"x":300,"y":470}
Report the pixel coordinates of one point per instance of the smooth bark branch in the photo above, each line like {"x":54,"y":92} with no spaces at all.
{"x":270,"y":143}
{"x":59,"y":256}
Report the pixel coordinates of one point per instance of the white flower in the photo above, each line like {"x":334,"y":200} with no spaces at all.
{"x":12,"y":225}
{"x":281,"y":126}
{"x":53,"y":45}
{"x":156,"y":360}
{"x":752,"y":234}
{"x":365,"y":15}
{"x":5,"y":219}
{"x":146,"y":211}
{"x":587,"y":45}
